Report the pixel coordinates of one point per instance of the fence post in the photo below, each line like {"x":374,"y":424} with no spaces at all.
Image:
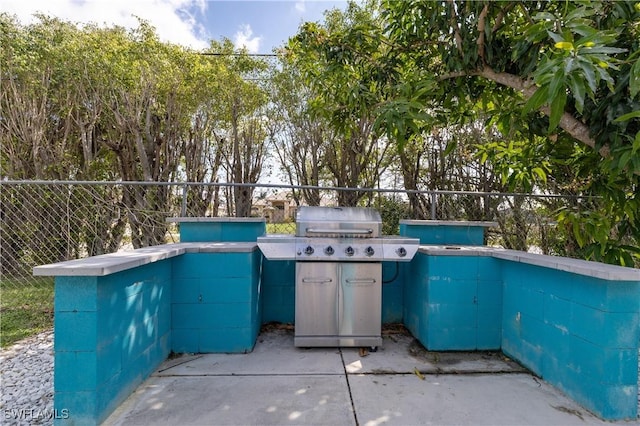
{"x":434,"y":201}
{"x":183,"y":208}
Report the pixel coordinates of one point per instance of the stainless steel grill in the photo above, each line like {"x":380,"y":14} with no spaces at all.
{"x":338,"y":253}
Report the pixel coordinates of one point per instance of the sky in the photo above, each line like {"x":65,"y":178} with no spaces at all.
{"x":258,"y":25}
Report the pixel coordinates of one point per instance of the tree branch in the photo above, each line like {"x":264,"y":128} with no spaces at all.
{"x":454,"y":25}
{"x":481,"y":31}
{"x":570,"y":124}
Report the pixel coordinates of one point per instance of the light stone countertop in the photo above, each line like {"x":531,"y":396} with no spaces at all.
{"x":215,"y":219}
{"x":469,"y":223}
{"x":577,"y":266}
{"x":111,"y":263}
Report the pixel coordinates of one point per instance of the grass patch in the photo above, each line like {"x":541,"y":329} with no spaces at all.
{"x":26,"y":308}
{"x":281,"y":228}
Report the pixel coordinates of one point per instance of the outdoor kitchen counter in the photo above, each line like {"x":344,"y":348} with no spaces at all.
{"x":576,"y":266}
{"x":118,"y":316}
{"x":444,"y":232}
{"x":106,"y":264}
{"x":573,"y":322}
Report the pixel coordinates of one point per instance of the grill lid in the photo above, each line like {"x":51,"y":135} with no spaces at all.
{"x":342,"y":222}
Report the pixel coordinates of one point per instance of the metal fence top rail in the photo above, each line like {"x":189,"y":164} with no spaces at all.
{"x":301,"y":187}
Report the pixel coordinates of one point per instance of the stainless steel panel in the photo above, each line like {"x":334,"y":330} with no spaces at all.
{"x":317,"y":249}
{"x":360,"y":299}
{"x":399,"y":249}
{"x":338,"y":304}
{"x":335,"y":341}
{"x":278,"y":247}
{"x":338,"y":222}
{"x":316,"y":296}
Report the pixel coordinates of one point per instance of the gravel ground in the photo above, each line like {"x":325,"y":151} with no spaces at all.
{"x":26,"y":382}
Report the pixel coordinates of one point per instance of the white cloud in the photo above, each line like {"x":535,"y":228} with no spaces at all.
{"x":175,"y":20}
{"x":243,"y":39}
{"x":300,"y":6}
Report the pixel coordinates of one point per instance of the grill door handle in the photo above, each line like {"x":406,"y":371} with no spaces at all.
{"x":339,"y":231}
{"x":362,"y":281}
{"x":317,"y":280}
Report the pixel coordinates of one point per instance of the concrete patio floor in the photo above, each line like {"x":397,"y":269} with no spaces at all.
{"x":401,"y":383}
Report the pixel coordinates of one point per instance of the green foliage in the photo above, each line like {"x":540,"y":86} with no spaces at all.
{"x":521,"y":165}
{"x":577,"y":62}
{"x":26,"y":308}
{"x":392,"y":209}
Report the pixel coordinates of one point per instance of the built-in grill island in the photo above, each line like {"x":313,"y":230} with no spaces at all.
{"x":339,"y":253}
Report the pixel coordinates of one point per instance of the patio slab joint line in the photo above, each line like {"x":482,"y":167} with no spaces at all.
{"x":346,"y":377}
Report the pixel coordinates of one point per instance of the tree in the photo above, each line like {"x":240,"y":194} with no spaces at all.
{"x":571,"y":66}
{"x":242,"y":132}
{"x":298,"y":137}
{"x":346,"y":87}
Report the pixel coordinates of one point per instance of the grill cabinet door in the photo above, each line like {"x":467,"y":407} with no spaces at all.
{"x":316,"y":299}
{"x":360,"y":299}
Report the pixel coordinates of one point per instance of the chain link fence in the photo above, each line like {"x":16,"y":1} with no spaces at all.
{"x":46,"y":222}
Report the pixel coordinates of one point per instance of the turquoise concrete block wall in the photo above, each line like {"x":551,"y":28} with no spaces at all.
{"x":278,"y":291}
{"x":216,"y":303}
{"x":445,"y":234}
{"x":416,"y":297}
{"x":577,"y":332}
{"x":393,"y":291}
{"x":454,"y":302}
{"x":111,"y":333}
{"x":210,"y":231}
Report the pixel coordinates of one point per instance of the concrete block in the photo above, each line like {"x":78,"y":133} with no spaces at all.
{"x":458,"y":267}
{"x":489,"y":317}
{"x":226,"y":289}
{"x":452,"y":316}
{"x":75,"y":371}
{"x":464,"y":235}
{"x":557,"y":312}
{"x":489,"y":338}
{"x":185,"y":316}
{"x":200,"y":232}
{"x":81,"y":407}
{"x":455,"y":292}
{"x":532,"y":330}
{"x":244,"y":232}
{"x":164,"y":318}
{"x":392,"y":303}
{"x":557,"y":343}
{"x":185,"y":340}
{"x":610,"y":296}
{"x":489,"y":269}
{"x":75,"y":294}
{"x":452,"y":339}
{"x":278,"y":273}
{"x":227,"y":340}
{"x":489,"y":292}
{"x":75,"y":331}
{"x":223,"y":264}
{"x":512,"y":273}
{"x":223,"y":315}
{"x":185,"y":290}
{"x":529,"y":355}
{"x":109,"y":357}
{"x":611,"y":402}
{"x":608,"y":329}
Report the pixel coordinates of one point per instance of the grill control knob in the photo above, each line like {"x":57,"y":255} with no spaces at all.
{"x":308,"y":250}
{"x":369,"y":251}
{"x":402,"y":252}
{"x":349,"y":251}
{"x":328,"y":251}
